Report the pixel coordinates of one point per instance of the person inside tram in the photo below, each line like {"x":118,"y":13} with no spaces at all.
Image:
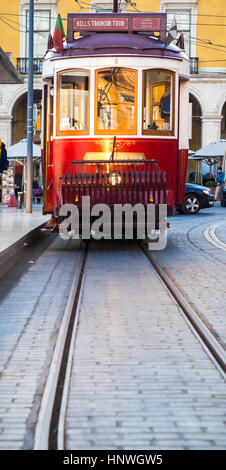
{"x":158,"y":109}
{"x":165,"y":108}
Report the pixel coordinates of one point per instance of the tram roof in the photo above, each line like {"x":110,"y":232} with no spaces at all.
{"x":108,"y":44}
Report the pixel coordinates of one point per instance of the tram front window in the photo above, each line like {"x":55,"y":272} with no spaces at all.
{"x":116,"y":101}
{"x":158,"y":102}
{"x":74,"y":101}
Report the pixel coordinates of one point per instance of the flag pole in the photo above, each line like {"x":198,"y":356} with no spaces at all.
{"x":30,"y":111}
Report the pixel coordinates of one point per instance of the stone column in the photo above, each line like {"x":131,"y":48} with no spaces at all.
{"x":6,"y":129}
{"x":211,"y":129}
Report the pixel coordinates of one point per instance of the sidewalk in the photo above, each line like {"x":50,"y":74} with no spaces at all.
{"x":16,"y":223}
{"x":17,"y":230}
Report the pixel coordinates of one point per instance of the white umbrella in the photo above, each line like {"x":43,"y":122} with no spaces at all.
{"x":19,"y":150}
{"x":18,"y":154}
{"x":213,"y":150}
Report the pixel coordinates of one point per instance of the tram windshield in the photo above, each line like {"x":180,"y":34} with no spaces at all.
{"x":74,"y":101}
{"x":158,"y":102}
{"x":116,"y":100}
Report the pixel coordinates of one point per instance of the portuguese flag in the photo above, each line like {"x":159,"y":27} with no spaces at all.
{"x":58,"y":35}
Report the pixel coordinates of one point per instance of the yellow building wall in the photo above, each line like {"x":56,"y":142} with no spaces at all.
{"x":10,"y":28}
{"x":68,"y":6}
{"x":210,"y":28}
{"x":147,"y":5}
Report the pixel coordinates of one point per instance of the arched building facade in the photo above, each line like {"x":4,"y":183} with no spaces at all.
{"x":208,"y":74}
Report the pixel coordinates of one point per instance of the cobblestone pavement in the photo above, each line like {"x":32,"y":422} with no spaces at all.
{"x":140,"y":377}
{"x":198,"y":266}
{"x":30,"y":317}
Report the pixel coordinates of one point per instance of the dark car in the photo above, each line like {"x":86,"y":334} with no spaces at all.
{"x":223,"y":195}
{"x":196,"y":197}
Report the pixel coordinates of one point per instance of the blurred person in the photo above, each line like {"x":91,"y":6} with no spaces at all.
{"x":220,"y":180}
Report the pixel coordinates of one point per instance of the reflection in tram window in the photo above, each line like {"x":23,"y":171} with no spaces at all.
{"x":158,"y":96}
{"x":74,"y":101}
{"x":116,"y":100}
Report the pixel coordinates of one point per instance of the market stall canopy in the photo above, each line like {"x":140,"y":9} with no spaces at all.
{"x":212,"y":153}
{"x":19,"y":150}
{"x":213,"y":150}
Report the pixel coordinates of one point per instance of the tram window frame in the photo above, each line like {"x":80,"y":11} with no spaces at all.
{"x":72,"y":132}
{"x":115,"y":131}
{"x":159,"y":132}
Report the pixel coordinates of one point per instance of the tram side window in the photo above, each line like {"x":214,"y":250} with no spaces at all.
{"x":74,"y":101}
{"x":158,"y":102}
{"x":116,"y":101}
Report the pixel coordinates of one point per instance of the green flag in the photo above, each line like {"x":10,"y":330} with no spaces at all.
{"x":58,"y":35}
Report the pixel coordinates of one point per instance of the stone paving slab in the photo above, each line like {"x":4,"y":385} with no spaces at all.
{"x":198,"y":267}
{"x":15,"y":223}
{"x":30,"y":317}
{"x":140,"y":378}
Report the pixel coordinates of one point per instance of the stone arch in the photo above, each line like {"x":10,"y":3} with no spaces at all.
{"x":221,"y":103}
{"x":196,"y":139}
{"x":16,"y":94}
{"x":223,"y":121}
{"x":200,"y":99}
{"x":19,"y":115}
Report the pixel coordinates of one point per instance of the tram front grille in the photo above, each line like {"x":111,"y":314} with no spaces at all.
{"x":114,"y":182}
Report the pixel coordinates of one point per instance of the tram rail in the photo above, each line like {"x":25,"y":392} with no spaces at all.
{"x":45,"y":434}
{"x":203,"y":331}
{"x":50,"y":429}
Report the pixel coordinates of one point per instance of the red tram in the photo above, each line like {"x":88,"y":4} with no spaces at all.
{"x":115,"y":114}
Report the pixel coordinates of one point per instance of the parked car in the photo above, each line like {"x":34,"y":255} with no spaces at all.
{"x":223,"y":195}
{"x":196,"y":197}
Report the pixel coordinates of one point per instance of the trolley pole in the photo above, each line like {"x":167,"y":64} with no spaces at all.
{"x":30,"y":111}
{"x":115,"y":7}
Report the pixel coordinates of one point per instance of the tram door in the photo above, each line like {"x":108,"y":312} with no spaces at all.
{"x":47,"y":139}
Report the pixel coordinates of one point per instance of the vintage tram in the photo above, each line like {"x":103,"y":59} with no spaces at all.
{"x":115,"y":114}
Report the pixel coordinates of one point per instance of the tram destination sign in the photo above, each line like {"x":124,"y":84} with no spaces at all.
{"x":116,"y":22}
{"x":101,"y":24}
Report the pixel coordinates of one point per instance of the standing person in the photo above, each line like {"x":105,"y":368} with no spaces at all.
{"x":220,"y":180}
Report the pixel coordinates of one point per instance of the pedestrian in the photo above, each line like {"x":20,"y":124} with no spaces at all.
{"x":220,"y":180}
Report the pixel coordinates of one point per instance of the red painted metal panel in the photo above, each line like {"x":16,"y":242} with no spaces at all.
{"x":182,"y":170}
{"x":64,"y":151}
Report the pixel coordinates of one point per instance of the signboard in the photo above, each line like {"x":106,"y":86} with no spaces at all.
{"x":146,"y":24}
{"x":116,"y":22}
{"x":100,"y":24}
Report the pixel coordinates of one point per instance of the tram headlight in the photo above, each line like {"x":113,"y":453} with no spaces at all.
{"x":115,"y":178}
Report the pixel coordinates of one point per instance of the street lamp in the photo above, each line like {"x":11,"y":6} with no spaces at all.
{"x":30,"y":111}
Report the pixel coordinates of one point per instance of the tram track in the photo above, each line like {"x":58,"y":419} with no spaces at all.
{"x":210,"y":236}
{"x":50,"y":429}
{"x":46,"y":434}
{"x":203,"y":331}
